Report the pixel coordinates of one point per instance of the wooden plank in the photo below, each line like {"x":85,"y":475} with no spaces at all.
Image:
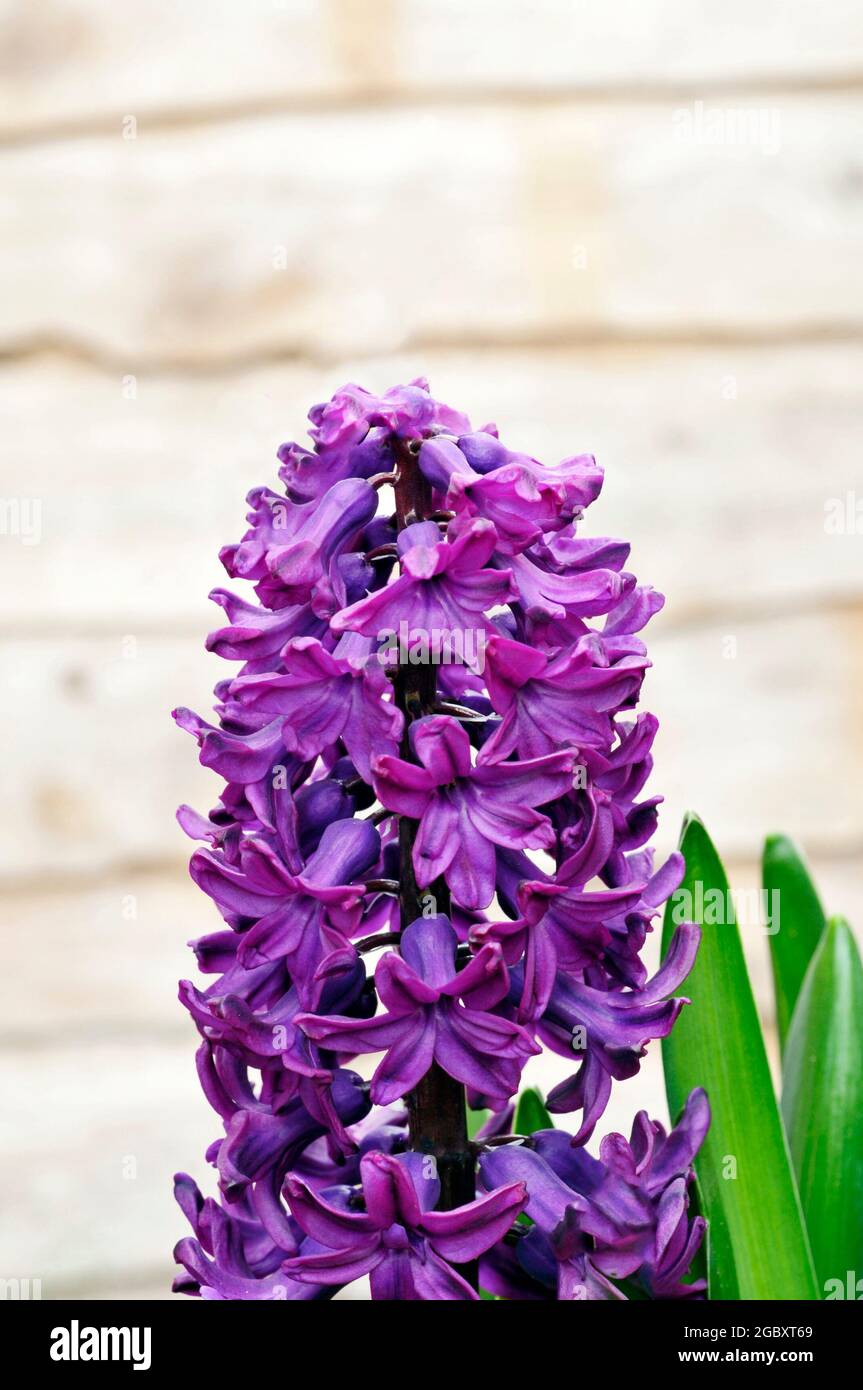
{"x":329,"y":234}
{"x":98,"y":767}
{"x":85,"y":59}
{"x":719,"y":465}
{"x":108,"y":963}
{"x":91,"y":1136}
{"x":103,"y":767}
{"x":747,"y":715}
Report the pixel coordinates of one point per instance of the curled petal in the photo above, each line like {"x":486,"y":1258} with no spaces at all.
{"x":467,"y":1232}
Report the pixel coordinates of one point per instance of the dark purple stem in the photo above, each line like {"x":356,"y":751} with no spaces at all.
{"x":437,"y":1107}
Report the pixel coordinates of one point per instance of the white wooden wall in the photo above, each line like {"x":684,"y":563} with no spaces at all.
{"x":631,"y":229}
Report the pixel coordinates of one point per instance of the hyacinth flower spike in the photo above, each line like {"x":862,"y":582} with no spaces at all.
{"x":432,"y":856}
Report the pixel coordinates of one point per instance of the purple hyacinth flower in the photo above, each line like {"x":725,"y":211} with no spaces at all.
{"x":579,"y":478}
{"x":465,"y":810}
{"x":255,"y":634}
{"x":323,"y":697}
{"x":290,"y":548}
{"x":547,"y":700}
{"x":353,"y":435}
{"x":516,"y":499}
{"x":406,"y":412}
{"x":249,"y":1018}
{"x":405,"y":1247}
{"x":299,"y":918}
{"x":434,"y":1014}
{"x":232,"y":1255}
{"x":260,"y":1141}
{"x":238,"y":757}
{"x":443,"y":585}
{"x":610,"y":1028}
{"x":562,"y":927}
{"x":622,"y":1215}
{"x":545,"y":593}
{"x":562,"y":924}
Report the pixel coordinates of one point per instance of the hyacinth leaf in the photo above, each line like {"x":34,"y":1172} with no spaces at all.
{"x":700,"y":1267}
{"x":530,"y":1113}
{"x":822,"y":1103}
{"x":475,"y":1121}
{"x":758,"y":1243}
{"x":796,"y":923}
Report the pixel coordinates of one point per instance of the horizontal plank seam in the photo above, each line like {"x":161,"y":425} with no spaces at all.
{"x":138,"y":1033}
{"x":163,"y":120}
{"x":815,"y":332}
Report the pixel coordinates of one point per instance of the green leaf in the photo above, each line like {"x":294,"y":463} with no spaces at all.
{"x":796,"y":922}
{"x":758,"y":1244}
{"x":530,"y":1113}
{"x":475,"y":1121}
{"x":822,"y":1102}
{"x":633,"y":1291}
{"x":700,"y":1267}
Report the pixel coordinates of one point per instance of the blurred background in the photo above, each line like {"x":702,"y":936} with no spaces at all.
{"x":632,"y":230}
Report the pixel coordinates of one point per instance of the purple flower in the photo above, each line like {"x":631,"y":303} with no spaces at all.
{"x":299,"y":918}
{"x":544,"y":593}
{"x":562,"y":927}
{"x":290,"y":549}
{"x":405,"y":412}
{"x":547,"y":700}
{"x":232,"y":1256}
{"x":262,"y":1141}
{"x":610,"y":1028}
{"x":620,"y":1216}
{"x":516,"y":498}
{"x":323,"y":697}
{"x":249,"y":1018}
{"x":436,"y":673}
{"x":443,"y":586}
{"x":353,"y":435}
{"x":434,"y":1014}
{"x":405,"y":1247}
{"x":465,"y":810}
{"x":565,"y":925}
{"x":238,"y":757}
{"x":578,"y":479}
{"x":255,"y":634}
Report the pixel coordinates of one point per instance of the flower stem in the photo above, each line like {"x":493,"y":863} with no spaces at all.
{"x":437,"y":1112}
